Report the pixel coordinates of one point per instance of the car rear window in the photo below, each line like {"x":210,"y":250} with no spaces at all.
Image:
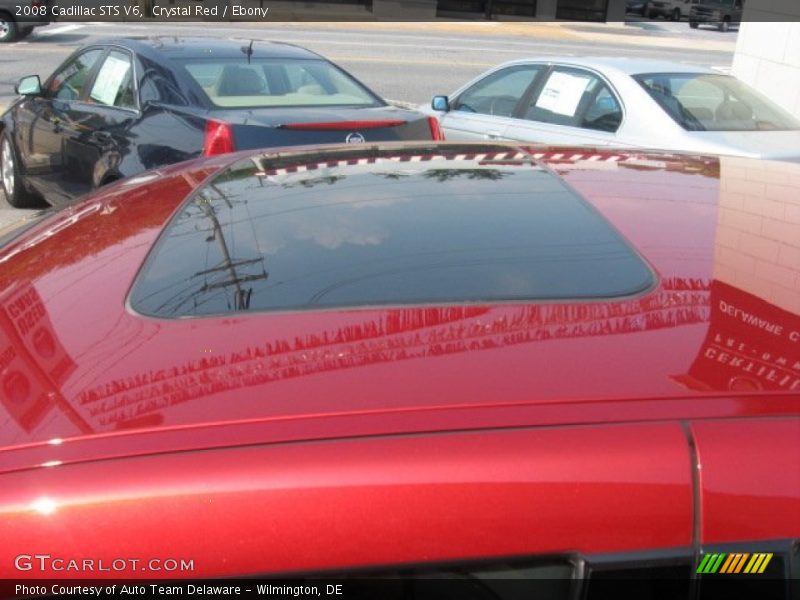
{"x":373,"y":227}
{"x":237,"y":83}
{"x":710,"y":102}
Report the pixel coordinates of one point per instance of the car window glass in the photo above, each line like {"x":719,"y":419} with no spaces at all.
{"x":68,"y":82}
{"x":364,"y":236}
{"x":113,"y":85}
{"x":575,"y":98}
{"x":711,"y":102}
{"x":699,"y":98}
{"x":298,"y":76}
{"x":277,"y":82}
{"x":158,"y":84}
{"x":603,"y":112}
{"x":498,"y":93}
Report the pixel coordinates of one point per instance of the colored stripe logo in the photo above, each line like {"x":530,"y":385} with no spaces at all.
{"x":734,"y":562}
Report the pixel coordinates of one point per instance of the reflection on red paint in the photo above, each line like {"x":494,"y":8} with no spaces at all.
{"x":33,"y":364}
{"x":750,"y":345}
{"x":397,"y":335}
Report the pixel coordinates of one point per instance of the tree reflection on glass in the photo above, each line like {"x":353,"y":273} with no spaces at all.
{"x":313,"y":182}
{"x":474,"y":174}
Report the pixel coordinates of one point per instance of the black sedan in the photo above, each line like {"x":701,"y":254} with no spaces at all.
{"x":119,"y":107}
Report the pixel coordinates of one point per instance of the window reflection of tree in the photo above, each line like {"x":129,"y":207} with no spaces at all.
{"x":443,"y":175}
{"x":392,"y":176}
{"x":313,"y":182}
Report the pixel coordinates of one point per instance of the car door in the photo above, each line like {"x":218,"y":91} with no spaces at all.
{"x":485,"y":109}
{"x":570,"y":106}
{"x":102,"y":120}
{"x":373,"y":501}
{"x":51,"y":121}
{"x":750,"y":480}
{"x":749,"y":500}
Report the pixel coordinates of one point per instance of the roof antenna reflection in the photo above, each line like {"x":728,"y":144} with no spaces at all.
{"x":248,"y":50}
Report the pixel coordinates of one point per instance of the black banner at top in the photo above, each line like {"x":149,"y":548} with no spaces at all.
{"x":703,"y":12}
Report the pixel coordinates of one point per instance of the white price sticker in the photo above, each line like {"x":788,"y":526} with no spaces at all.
{"x":562,"y":93}
{"x":109,"y":80}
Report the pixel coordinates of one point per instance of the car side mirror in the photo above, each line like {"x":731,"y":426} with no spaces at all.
{"x":29,"y":86}
{"x":440,"y":103}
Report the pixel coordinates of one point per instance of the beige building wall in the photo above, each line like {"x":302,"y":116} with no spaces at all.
{"x":768,"y":53}
{"x":757,"y":247}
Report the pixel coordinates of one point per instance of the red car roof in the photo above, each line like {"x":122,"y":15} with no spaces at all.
{"x":717,"y":336}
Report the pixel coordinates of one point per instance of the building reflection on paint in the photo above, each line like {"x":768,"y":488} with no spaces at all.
{"x":400,"y":334}
{"x":753,"y":340}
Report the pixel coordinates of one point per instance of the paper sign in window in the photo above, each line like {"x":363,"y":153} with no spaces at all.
{"x":109,"y":80}
{"x":562,"y":93}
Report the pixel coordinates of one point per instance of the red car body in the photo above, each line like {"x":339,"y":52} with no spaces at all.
{"x":377,"y":437}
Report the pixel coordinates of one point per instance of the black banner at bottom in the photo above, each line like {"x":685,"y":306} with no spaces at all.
{"x":716,"y":588}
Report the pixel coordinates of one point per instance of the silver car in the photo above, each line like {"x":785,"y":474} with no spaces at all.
{"x":626,"y":103}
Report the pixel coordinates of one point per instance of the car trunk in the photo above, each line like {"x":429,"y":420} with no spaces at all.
{"x":772,"y":145}
{"x":293,"y":126}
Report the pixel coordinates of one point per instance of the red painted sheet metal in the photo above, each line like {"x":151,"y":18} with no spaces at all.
{"x":371,"y":501}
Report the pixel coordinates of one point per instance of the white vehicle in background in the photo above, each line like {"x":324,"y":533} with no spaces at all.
{"x":625,"y":103}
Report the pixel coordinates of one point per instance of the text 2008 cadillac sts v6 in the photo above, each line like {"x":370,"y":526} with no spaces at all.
{"x":459,"y":361}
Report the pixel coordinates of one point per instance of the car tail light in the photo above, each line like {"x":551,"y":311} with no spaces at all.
{"x":344,"y":125}
{"x":219,"y":138}
{"x":436,"y":131}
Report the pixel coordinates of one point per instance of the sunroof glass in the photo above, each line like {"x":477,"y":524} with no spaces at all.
{"x":314,"y":232}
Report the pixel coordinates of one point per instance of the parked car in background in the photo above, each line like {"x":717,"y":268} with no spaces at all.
{"x":119,"y":107}
{"x":635,"y":6}
{"x":19,"y":17}
{"x":470,"y":362}
{"x":619,"y":102}
{"x":721,"y":13}
{"x":669,"y":9}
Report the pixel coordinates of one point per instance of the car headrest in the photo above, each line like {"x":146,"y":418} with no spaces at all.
{"x":240,"y":81}
{"x":733,"y":111}
{"x":311,"y":90}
